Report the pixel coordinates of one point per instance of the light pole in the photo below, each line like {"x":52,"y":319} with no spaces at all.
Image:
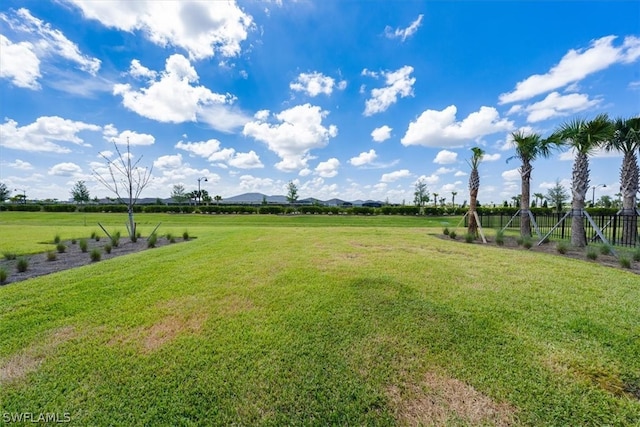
{"x":24,"y":195}
{"x":593,"y":193}
{"x":204,"y":178}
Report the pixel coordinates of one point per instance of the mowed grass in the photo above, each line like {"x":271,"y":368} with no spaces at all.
{"x":323,"y":325}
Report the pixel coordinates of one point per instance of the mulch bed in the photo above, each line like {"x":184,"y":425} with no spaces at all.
{"x":39,"y":265}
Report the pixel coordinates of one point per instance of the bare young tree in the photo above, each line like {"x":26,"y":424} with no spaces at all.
{"x":126,"y":179}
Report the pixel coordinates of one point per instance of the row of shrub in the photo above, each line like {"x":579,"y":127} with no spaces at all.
{"x":277,"y":209}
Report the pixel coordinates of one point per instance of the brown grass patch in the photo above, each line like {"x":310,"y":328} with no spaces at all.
{"x":439,"y":400}
{"x":29,"y":360}
{"x":167,"y":330}
{"x":234,"y":304}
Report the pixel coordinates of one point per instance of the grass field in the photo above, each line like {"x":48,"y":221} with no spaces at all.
{"x":266,"y":320}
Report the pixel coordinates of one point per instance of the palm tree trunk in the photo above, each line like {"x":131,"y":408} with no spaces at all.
{"x":629,"y":188}
{"x":473,"y":224}
{"x":579,"y":189}
{"x":525,"y":220}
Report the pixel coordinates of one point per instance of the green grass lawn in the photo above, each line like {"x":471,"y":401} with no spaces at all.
{"x":317,"y":321}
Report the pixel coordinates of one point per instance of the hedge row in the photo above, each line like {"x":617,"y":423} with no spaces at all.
{"x":275,"y":210}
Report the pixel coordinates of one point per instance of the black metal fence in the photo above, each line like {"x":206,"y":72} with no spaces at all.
{"x":612,"y":226}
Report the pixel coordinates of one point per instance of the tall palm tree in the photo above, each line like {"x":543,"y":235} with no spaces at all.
{"x":539,"y":199}
{"x":626,"y":139}
{"x":474,"y":186}
{"x":584,"y":137}
{"x":453,"y":198}
{"x":528,"y":149}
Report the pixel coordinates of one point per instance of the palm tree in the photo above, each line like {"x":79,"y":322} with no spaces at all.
{"x":453,"y":198}
{"x":474,"y":186}
{"x":584,"y":137}
{"x":528,"y":149}
{"x":539,"y":198}
{"x":626,"y":139}
{"x":217,"y":198}
{"x":435,"y":200}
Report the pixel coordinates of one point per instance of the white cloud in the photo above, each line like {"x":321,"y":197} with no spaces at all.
{"x":300,"y":130}
{"x":599,"y":153}
{"x":248,"y":160}
{"x":491,"y":157}
{"x":404,"y":33}
{"x":556,"y":105}
{"x":174,"y":98}
{"x":21,"y":165}
{"x":460,"y":173}
{"x":511,"y":175}
{"x":168,"y":162}
{"x":212,"y":151}
{"x":443,"y":170}
{"x":313,"y":84}
{"x":432,"y":179}
{"x":19,"y":63}
{"x":446,"y":157}
{"x":381,"y":134}
{"x":574,"y":66}
{"x":364,"y":158}
{"x":394,"y":176}
{"x":133,"y":137}
{"x":200,"y":28}
{"x":435,"y":128}
{"x":255,"y":184}
{"x":138,"y":70}
{"x":305,"y":172}
{"x":65,"y":169}
{"x":328,"y":169}
{"x":545,"y":185}
{"x":398,"y":84}
{"x":43,"y":134}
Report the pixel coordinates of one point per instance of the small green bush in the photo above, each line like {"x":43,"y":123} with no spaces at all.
{"x":152,"y":240}
{"x":22,"y":265}
{"x":73,"y":241}
{"x":115,"y":240}
{"x":83,"y":245}
{"x":469,"y":238}
{"x":592,"y":254}
{"x":185,"y":235}
{"x":107,"y":248}
{"x":9,"y":255}
{"x":60,"y":247}
{"x":445,"y":231}
{"x":562,"y":247}
{"x":500,"y":238}
{"x":94,"y":234}
{"x":3,"y":275}
{"x":95,"y":255}
{"x":625,"y":261}
{"x":56,"y":239}
{"x":51,"y":256}
{"x":527,"y":243}
{"x":452,"y":234}
{"x":636,"y":255}
{"x":605,"y":250}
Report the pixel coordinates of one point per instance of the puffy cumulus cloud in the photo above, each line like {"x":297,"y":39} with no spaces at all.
{"x":299,"y":131}
{"x":435,"y":128}
{"x":460,"y":173}
{"x":443,"y":171}
{"x":128,"y":136}
{"x":432,"y":179}
{"x":364,"y":158}
{"x":599,"y":153}
{"x":575,"y":65}
{"x":251,"y":183}
{"x":317,"y":188}
{"x":136,"y":69}
{"x":399,"y":83}
{"x":491,"y":157}
{"x":446,"y":157}
{"x":511,"y":175}
{"x":21,"y":165}
{"x":403,"y":33}
{"x":65,"y":169}
{"x":381,"y":134}
{"x":19,"y":63}
{"x":168,"y":162}
{"x":212,"y":151}
{"x":328,"y":169}
{"x":200,"y":28}
{"x":305,"y":172}
{"x":173,"y":97}
{"x":396,"y":175}
{"x":313,"y":84}
{"x":557,"y":105}
{"x":44,"y":134}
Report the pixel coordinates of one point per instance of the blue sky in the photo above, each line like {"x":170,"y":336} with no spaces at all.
{"x":349,"y":99}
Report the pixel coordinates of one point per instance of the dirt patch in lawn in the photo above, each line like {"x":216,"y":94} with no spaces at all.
{"x":552,"y":249}
{"x":73,"y":256}
{"x":29,"y":360}
{"x":440,"y":400}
